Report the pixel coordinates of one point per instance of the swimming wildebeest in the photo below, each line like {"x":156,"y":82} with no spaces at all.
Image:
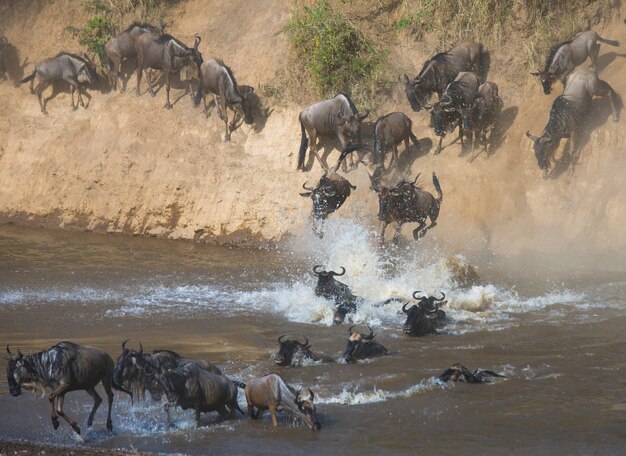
{"x":73,"y":69}
{"x":336,"y":116}
{"x":565,"y":57}
{"x":4,"y":45}
{"x":166,"y":53}
{"x":62,"y":368}
{"x":389,"y":131}
{"x":442,"y":69}
{"x":443,"y":122}
{"x":331,"y":192}
{"x":481,"y":115}
{"x":362,"y":346}
{"x":190,"y":386}
{"x":568,"y":113}
{"x":123,"y":46}
{"x":424,"y":317}
{"x":272,"y":393}
{"x":134,"y":370}
{"x":405,"y":203}
{"x":290,"y":347}
{"x":459,"y":373}
{"x":329,"y":288}
{"x":218,"y":79}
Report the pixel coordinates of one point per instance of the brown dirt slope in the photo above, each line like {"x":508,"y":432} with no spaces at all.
{"x":127,"y":165}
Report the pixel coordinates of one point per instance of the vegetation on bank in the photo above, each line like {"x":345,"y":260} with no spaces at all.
{"x":109,"y":17}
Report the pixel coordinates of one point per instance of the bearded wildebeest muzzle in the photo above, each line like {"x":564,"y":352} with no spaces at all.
{"x":304,"y":401}
{"x":362,"y":346}
{"x":288,"y":348}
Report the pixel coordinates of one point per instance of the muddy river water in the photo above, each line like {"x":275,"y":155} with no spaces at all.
{"x":557,"y":335}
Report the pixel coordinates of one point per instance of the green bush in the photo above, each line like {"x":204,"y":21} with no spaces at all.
{"x":338,"y":55}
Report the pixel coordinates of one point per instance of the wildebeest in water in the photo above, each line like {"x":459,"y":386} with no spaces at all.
{"x":459,"y":373}
{"x":567,"y":115}
{"x":565,"y":57}
{"x":330,"y":288}
{"x":362,"y":346}
{"x":424,"y":317}
{"x":291,"y":347}
{"x":69,"y":68}
{"x":60,"y":369}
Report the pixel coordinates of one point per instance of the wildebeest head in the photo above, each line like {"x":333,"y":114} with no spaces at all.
{"x":457,"y":372}
{"x":546,"y":79}
{"x":243,"y":106}
{"x":288,"y":348}
{"x":172,"y":383}
{"x":87,"y":73}
{"x":17,"y":372}
{"x":149,"y":376}
{"x":357,"y":344}
{"x":387,"y":194}
{"x":420,"y":318}
{"x":126,"y":371}
{"x":415,"y":92}
{"x":544,"y":147}
{"x":350,"y":122}
{"x":304,"y":401}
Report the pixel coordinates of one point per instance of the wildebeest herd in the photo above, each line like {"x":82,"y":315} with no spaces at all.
{"x":466,"y":100}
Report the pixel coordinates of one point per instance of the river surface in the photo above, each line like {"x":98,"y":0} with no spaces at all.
{"x":556,"y":334}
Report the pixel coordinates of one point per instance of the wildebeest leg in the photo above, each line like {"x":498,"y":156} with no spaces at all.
{"x":420,"y":230}
{"x":593,"y":54}
{"x":217,"y":105}
{"x":251,"y":411}
{"x":139,"y":72}
{"x":438,"y":149}
{"x":168,"y":105}
{"x":97,"y":400}
{"x":224,"y":110}
{"x":198,"y":415}
{"x":149,"y":78}
{"x":106,"y":383}
{"x":40,"y":88}
{"x":273,"y":413}
{"x":603,"y":90}
{"x":60,"y":410}
{"x":72,"y":89}
{"x":394,"y":155}
{"x":382,"y":233}
{"x":343,"y":142}
{"x":167,"y":407}
{"x":396,"y":235}
{"x":206,"y":109}
{"x":313,"y":140}
{"x":53,"y":414}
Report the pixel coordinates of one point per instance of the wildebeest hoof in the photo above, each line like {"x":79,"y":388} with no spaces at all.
{"x":109,"y":426}
{"x":76,"y":429}
{"x":90,"y":422}
{"x":55,"y":423}
{"x":167,"y":106}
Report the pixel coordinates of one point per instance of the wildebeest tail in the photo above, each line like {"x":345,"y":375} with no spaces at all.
{"x":28,"y":78}
{"x":609,"y":42}
{"x":438,"y":188}
{"x":304,"y":143}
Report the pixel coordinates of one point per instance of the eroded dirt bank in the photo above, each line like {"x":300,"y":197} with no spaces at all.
{"x":126,"y":165}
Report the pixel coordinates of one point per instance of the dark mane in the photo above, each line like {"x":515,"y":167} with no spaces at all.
{"x":69,"y":54}
{"x":229,"y":71}
{"x":442,"y":57}
{"x":553,"y":52}
{"x":166,"y":351}
{"x":162,"y":39}
{"x":145,"y":25}
{"x":352,"y":107}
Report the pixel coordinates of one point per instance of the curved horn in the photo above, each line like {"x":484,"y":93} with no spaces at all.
{"x":443,"y":296}
{"x":343,"y":271}
{"x":532,"y":137}
{"x":417,"y":79}
{"x":140,"y":348}
{"x":315,"y":271}
{"x":370,"y":336}
{"x":306,"y":342}
{"x":197,"y":42}
{"x":312,"y":395}
{"x":404,"y":308}
{"x":8,"y":350}
{"x":416,"y":177}
{"x":280,"y":339}
{"x":124,"y":344}
{"x":415,"y":297}
{"x":350,"y":330}
{"x":309,"y":189}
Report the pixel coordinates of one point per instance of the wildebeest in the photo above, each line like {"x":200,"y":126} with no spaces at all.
{"x":331,"y":192}
{"x":459,"y":373}
{"x":389,"y":131}
{"x":62,"y":368}
{"x":444,"y":122}
{"x":4,"y":45}
{"x":424,"y":317}
{"x":565,"y":57}
{"x":361,"y":346}
{"x":134,"y":370}
{"x":336,"y":116}
{"x":330,"y":288}
{"x":481,"y":116}
{"x":218,"y":79}
{"x":272,"y":393}
{"x":166,"y":53}
{"x":190,"y":386}
{"x":568,"y":113}
{"x":442,"y":69}
{"x":290,"y":347}
{"x":73,"y":69}
{"x":405,"y":203}
{"x":123,"y":46}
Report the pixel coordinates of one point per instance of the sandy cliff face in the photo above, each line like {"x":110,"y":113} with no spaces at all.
{"x":127,"y":165}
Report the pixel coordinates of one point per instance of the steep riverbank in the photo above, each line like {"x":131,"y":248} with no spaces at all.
{"x":126,"y":165}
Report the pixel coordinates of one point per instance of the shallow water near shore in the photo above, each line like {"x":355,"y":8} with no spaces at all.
{"x":555,"y":333}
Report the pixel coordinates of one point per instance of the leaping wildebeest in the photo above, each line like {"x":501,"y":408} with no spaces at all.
{"x":362,"y":346}
{"x":444,"y":122}
{"x":336,"y":116}
{"x":565,"y":57}
{"x":405,"y":203}
{"x":424,"y":317}
{"x":330,"y":288}
{"x":459,"y":373}
{"x":70,"y":68}
{"x":441,"y":69}
{"x":62,"y":368}
{"x":166,"y":53}
{"x":272,"y":393}
{"x":330,"y":193}
{"x":124,"y":46}
{"x":218,"y":79}
{"x":291,"y":347}
{"x":481,"y":115}
{"x":568,"y":113}
{"x":134,"y":370}
{"x":389,"y":131}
